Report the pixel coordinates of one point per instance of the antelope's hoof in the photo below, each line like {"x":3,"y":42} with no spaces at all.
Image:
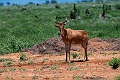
{"x":69,"y":61}
{"x":86,"y":60}
{"x":66,"y":61}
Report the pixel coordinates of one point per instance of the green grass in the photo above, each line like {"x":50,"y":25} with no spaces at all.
{"x":73,"y":68}
{"x":117,"y":77}
{"x":115,"y":63}
{"x":5,"y":59}
{"x":22,"y":69}
{"x":54,"y":67}
{"x":19,"y":28}
{"x":23,"y":57}
{"x":76,"y":77}
{"x":74,"y":55}
{"x":8,"y":63}
{"x":44,"y":60}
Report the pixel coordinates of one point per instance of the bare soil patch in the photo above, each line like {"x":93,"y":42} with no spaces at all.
{"x":46,"y":61}
{"x":56,"y":45}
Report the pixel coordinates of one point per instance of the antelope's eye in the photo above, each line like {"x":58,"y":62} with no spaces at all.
{"x":64,"y":23}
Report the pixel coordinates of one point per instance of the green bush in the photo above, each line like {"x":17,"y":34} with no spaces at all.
{"x":2,"y":59}
{"x":19,"y":28}
{"x":115,"y":62}
{"x":5,"y":59}
{"x":74,"y":55}
{"x":15,"y":45}
{"x":117,"y":6}
{"x":57,"y":6}
{"x":117,"y":77}
{"x":23,"y":57}
{"x":8,"y":63}
{"x":54,"y":67}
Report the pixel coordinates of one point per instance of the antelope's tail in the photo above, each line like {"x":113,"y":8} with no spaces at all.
{"x":87,"y":43}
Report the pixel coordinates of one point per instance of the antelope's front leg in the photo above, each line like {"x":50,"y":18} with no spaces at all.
{"x":69,"y":47}
{"x":66,"y":49}
{"x":86,"y":58}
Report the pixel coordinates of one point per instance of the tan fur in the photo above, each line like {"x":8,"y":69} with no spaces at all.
{"x":70,"y":36}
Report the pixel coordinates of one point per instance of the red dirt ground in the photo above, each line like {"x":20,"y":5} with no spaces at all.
{"x":54,"y":67}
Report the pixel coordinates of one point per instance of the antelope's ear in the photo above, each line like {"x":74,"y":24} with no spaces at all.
{"x":65,"y":22}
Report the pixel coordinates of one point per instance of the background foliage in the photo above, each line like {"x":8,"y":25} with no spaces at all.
{"x":24,"y":26}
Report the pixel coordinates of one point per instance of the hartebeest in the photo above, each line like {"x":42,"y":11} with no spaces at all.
{"x":70,"y":36}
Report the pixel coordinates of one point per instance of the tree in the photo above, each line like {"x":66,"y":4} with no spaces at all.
{"x":1,"y":4}
{"x":8,"y":3}
{"x":83,"y":0}
{"x":99,"y":0}
{"x":47,"y":2}
{"x":73,"y":14}
{"x":91,"y":0}
{"x":30,"y":3}
{"x":112,"y":0}
{"x":86,"y":0}
{"x":53,"y":1}
{"x":74,"y":8}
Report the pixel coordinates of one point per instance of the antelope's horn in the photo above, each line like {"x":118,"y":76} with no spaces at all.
{"x":56,"y":21}
{"x":66,"y":19}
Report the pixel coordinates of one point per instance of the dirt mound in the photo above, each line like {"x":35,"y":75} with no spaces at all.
{"x":56,"y":45}
{"x":51,"y":45}
{"x":114,"y":42}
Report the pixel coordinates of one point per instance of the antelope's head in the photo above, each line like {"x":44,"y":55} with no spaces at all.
{"x":60,"y":25}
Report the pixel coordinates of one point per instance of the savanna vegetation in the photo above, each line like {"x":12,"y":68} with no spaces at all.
{"x":23,"y":26}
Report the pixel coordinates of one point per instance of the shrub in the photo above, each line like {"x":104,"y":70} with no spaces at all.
{"x":76,"y":77}
{"x":9,"y":63}
{"x":23,"y":57}
{"x":53,"y":1}
{"x":117,"y":6}
{"x":44,"y":60}
{"x":12,"y":69}
{"x":74,"y":55}
{"x":54,"y":67}
{"x":115,"y":62}
{"x":117,"y":77}
{"x":2,"y":70}
{"x":12,"y":45}
{"x":7,"y":59}
{"x":57,"y":6}
{"x":73,"y":14}
{"x":36,"y":77}
{"x":73,"y":68}
{"x":30,"y":62}
{"x":2,"y":59}
{"x":21,"y":69}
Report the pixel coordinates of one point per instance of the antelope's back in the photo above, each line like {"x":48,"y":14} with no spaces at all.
{"x":77,"y":36}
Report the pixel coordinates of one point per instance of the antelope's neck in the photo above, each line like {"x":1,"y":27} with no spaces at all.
{"x":64,"y":36}
{"x":64,"y":33}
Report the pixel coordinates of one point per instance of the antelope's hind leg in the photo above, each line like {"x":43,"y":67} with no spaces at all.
{"x":66,"y":49}
{"x":84,"y":45}
{"x":69,"y":47}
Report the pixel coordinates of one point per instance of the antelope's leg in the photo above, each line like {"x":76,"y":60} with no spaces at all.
{"x":69,"y":47}
{"x":66,"y":49}
{"x":86,"y":54}
{"x":84,"y":45}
